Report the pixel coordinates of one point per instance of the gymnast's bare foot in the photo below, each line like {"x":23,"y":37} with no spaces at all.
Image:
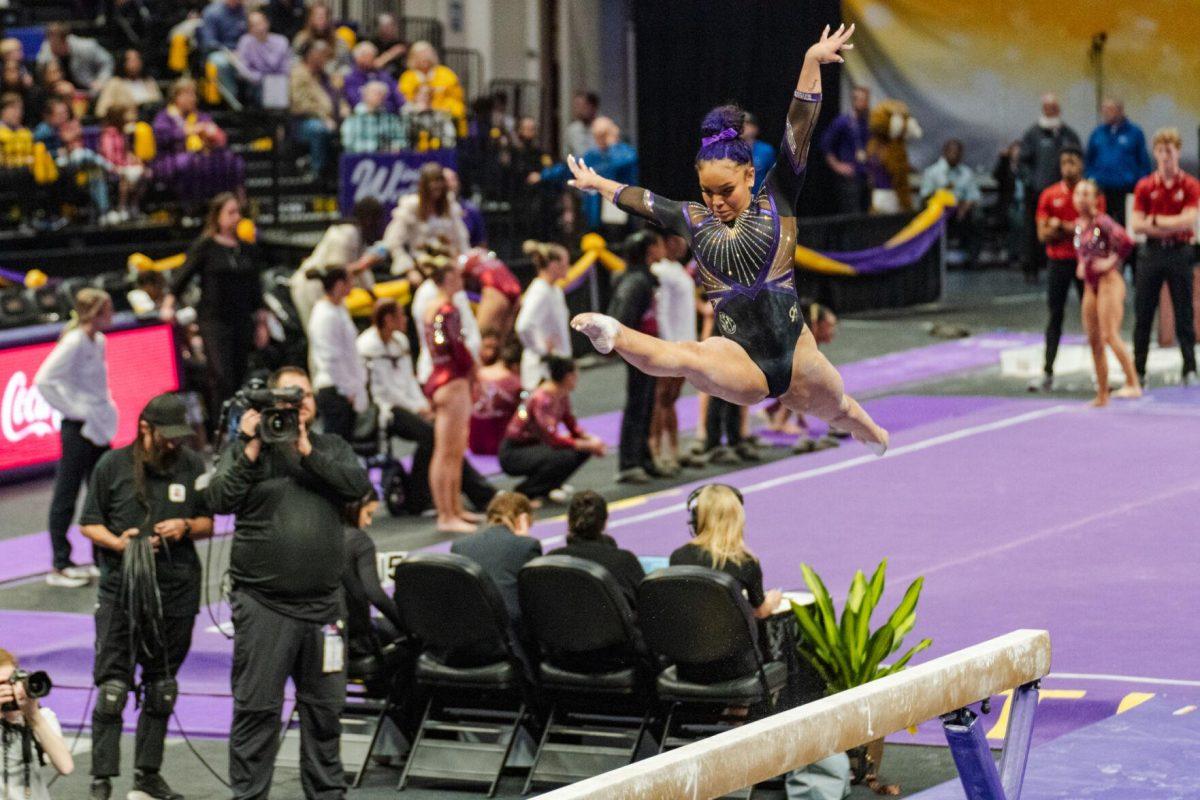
{"x":600,"y":328}
{"x":1099,"y":401}
{"x":454,"y":525}
{"x":1128,"y":393}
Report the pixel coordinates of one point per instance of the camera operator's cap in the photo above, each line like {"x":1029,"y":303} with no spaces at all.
{"x":168,"y":414}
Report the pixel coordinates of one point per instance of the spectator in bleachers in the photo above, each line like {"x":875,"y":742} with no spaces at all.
{"x":353,"y":243}
{"x":587,"y":517}
{"x":845,"y":146}
{"x":222,"y":25}
{"x":85,"y":63}
{"x":390,"y":45}
{"x":577,"y":139}
{"x":261,"y":56}
{"x":431,"y":214}
{"x":13,"y":52}
{"x":192,"y":157}
{"x":373,"y":128}
{"x":472,"y":215}
{"x":498,"y":395}
{"x":949,"y":172}
{"x":339,"y":377}
{"x":51,"y":83}
{"x":543,"y":323}
{"x":503,"y":547}
{"x":287,"y":17}
{"x":16,"y":82}
{"x":527,"y":160}
{"x":129,"y":23}
{"x":16,"y":141}
{"x":55,"y":114}
{"x":131,"y":173}
{"x":761,"y":153}
{"x":319,"y":27}
{"x":404,"y":411}
{"x":424,"y":69}
{"x":231,"y":298}
{"x":1117,"y":157}
{"x":363,"y":72}
{"x":632,"y":304}
{"x":428,"y":128}
{"x":499,"y":120}
{"x":316,"y":105}
{"x":131,"y":87}
{"x":544,"y":443}
{"x":719,"y":543}
{"x":610,"y":157}
{"x":1040,"y":146}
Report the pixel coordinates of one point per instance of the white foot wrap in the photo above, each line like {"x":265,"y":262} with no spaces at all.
{"x":601,"y":329}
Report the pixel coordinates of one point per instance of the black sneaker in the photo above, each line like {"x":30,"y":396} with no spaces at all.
{"x":1188,"y":379}
{"x":151,"y":785}
{"x":101,"y":789}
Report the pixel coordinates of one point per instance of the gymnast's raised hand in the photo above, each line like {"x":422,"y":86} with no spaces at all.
{"x":744,"y":245}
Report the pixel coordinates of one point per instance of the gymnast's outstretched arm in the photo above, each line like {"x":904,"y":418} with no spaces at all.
{"x":631,"y":199}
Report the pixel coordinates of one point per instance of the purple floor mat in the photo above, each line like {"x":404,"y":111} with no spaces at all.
{"x":1147,"y":753}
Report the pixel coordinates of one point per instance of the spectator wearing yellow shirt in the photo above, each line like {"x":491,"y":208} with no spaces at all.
{"x":446,"y":93}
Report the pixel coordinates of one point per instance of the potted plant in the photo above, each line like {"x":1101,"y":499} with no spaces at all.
{"x":845,"y":652}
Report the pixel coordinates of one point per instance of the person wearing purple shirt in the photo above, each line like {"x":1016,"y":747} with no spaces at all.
{"x":845,"y":146}
{"x":260,"y":54}
{"x":472,"y":215}
{"x":364,"y":72}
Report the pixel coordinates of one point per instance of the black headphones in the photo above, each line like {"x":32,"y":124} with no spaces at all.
{"x":690,"y":505}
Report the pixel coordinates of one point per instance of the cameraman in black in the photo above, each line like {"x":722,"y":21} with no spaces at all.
{"x":286,"y":565}
{"x":150,"y":488}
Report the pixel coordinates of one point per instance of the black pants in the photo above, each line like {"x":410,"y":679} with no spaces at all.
{"x":79,"y":456}
{"x":227,"y":346}
{"x":634,"y":447}
{"x":1173,"y":266}
{"x":1035,"y":252}
{"x":336,"y":412}
{"x":853,"y":195}
{"x":269,"y":648}
{"x":409,"y":426}
{"x":1114,"y":201}
{"x":544,"y":467}
{"x":115,"y":662}
{"x":1060,"y":276}
{"x":722,"y":418}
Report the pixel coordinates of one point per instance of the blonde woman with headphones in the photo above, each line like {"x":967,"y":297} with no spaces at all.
{"x":74,"y":381}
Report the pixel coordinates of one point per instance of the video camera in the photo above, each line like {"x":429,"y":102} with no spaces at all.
{"x":37,"y":685}
{"x":280,"y":410}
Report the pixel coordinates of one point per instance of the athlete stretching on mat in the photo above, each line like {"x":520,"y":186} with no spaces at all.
{"x":744,"y":245}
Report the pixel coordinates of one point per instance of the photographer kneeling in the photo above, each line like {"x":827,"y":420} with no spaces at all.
{"x":146,"y":496}
{"x":288,"y":490}
{"x":27,"y":731}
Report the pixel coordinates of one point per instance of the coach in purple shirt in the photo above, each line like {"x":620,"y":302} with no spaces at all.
{"x":261,"y":53}
{"x":845,"y":146}
{"x":364,"y":72}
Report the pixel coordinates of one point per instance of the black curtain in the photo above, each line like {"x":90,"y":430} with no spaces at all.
{"x":696,"y":54}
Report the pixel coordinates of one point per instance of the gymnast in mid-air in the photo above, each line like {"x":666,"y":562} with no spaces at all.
{"x":744,"y":245}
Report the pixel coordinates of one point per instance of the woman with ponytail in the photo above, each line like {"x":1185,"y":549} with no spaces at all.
{"x":74,"y":381}
{"x":543,"y":322}
{"x":339,"y":376}
{"x":744,"y":244}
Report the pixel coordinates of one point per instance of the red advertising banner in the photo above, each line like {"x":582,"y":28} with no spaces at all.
{"x":141,"y":364}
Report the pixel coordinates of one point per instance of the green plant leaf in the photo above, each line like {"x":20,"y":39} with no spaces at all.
{"x":908,"y":604}
{"x":877,"y":650}
{"x":875,"y":586}
{"x":903,"y":629}
{"x":903,"y":660}
{"x":827,"y":616}
{"x":822,"y":669}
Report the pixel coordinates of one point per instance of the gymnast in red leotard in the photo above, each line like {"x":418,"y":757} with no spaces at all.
{"x":449,"y":391}
{"x":499,"y":290}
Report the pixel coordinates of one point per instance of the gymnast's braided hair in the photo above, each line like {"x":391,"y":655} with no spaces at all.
{"x":721,"y":136}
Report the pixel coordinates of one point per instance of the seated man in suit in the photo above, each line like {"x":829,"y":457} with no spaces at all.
{"x":586,"y":518}
{"x":503,"y":547}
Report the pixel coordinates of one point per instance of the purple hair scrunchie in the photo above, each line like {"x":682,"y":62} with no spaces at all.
{"x":728,"y":133}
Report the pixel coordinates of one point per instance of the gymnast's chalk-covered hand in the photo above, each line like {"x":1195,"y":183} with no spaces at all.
{"x":586,"y":179}
{"x":828,"y":49}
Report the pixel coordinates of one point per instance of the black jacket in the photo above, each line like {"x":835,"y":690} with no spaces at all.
{"x":288,"y":549}
{"x":621,"y":564}
{"x":632,"y":302}
{"x":501,"y":553}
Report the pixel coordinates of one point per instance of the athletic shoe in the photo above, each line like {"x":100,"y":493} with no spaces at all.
{"x":62,"y":580}
{"x":86,"y":571}
{"x":151,"y":786}
{"x":748,"y":452}
{"x":804,"y":444}
{"x":1187,"y":379}
{"x":636,"y":475}
{"x":101,"y":789}
{"x":1042,"y":384}
{"x":559,"y":496}
{"x":724,"y":456}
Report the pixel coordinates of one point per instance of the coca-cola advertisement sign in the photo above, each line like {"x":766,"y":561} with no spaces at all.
{"x":141,"y":364}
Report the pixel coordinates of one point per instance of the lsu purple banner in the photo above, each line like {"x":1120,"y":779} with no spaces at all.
{"x":384,"y":176}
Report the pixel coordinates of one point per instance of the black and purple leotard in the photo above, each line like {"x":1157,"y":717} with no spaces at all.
{"x":746,"y":266}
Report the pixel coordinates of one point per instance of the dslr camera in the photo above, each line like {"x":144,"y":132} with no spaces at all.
{"x":280,"y":410}
{"x":37,"y":685}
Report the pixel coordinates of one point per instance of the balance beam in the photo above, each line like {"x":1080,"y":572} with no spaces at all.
{"x":782,"y":742}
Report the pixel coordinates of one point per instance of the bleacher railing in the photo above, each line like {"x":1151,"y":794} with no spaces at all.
{"x":943,"y":687}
